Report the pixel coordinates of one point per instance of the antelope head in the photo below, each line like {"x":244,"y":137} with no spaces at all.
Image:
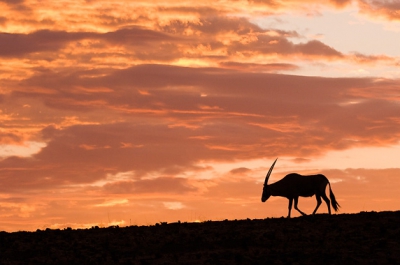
{"x":266,"y":193}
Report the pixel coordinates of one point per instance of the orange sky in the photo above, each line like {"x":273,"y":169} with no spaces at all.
{"x":137,"y":112}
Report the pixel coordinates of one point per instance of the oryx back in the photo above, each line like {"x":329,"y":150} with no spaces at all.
{"x":294,"y":185}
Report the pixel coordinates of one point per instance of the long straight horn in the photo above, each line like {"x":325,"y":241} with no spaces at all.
{"x":269,"y":172}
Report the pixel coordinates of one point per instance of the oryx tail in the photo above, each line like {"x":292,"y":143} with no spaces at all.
{"x":334,"y":203}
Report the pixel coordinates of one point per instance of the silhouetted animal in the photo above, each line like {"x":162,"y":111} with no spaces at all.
{"x":294,"y":185}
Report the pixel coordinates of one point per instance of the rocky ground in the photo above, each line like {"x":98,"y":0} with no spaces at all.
{"x":364,"y":238}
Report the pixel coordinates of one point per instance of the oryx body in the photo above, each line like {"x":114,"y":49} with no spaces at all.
{"x":294,"y":185}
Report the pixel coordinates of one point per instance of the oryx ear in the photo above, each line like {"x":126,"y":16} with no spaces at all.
{"x":269,"y":172}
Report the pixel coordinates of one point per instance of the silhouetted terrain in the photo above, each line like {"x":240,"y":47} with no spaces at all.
{"x":364,"y":238}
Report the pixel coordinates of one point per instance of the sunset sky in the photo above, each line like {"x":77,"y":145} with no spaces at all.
{"x":139,"y":112}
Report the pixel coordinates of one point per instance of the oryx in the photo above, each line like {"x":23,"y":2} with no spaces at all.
{"x":294,"y":185}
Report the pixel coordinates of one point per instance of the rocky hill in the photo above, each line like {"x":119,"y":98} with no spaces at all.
{"x":363,"y":238}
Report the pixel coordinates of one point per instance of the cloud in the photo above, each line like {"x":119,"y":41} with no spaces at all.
{"x":386,"y":8}
{"x":12,"y":2}
{"x":309,"y":98}
{"x":362,"y":58}
{"x":16,"y":44}
{"x":243,"y":189}
{"x":65,"y":161}
{"x":366,"y":189}
{"x":272,"y":67}
{"x":298,"y":4}
{"x":9,"y":138}
{"x":189,"y":115}
{"x":210,"y":39}
{"x":240,"y":171}
{"x":316,"y":47}
{"x":174,"y":205}
{"x":213,"y":25}
{"x":160,"y":185}
{"x":280,"y":45}
{"x":201,"y":10}
{"x":137,"y":36}
{"x":341,"y":3}
{"x":3,"y":20}
{"x":112,"y":203}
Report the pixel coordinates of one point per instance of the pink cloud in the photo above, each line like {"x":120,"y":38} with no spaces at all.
{"x":160,"y":185}
{"x":385,"y":8}
{"x":12,"y":2}
{"x":254,"y":115}
{"x":272,"y":67}
{"x":14,"y":44}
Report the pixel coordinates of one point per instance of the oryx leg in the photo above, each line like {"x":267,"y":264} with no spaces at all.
{"x":296,"y":201}
{"x":327,"y":202}
{"x":319,"y":201}
{"x":290,"y":206}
